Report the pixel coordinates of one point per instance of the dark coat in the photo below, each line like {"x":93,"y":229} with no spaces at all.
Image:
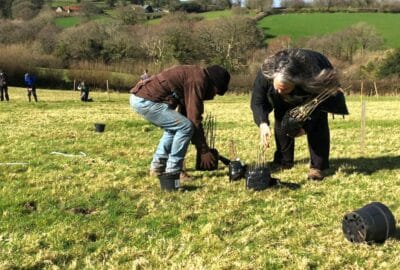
{"x":3,"y":79}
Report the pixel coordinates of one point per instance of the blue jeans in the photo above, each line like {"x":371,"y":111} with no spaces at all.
{"x":178,"y":131}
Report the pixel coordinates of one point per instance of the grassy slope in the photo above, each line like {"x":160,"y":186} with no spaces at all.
{"x":103,"y":211}
{"x":66,"y":22}
{"x":307,"y":25}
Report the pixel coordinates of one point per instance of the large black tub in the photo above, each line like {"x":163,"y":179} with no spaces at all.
{"x":373,"y":223}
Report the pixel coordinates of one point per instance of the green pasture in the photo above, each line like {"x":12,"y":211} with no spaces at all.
{"x":301,"y":25}
{"x":101,"y":210}
{"x":217,"y":14}
{"x":63,"y":3}
{"x":69,"y":21}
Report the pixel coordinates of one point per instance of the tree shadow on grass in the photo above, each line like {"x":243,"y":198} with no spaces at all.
{"x":287,"y":185}
{"x":365,"y":165}
{"x":186,"y":188}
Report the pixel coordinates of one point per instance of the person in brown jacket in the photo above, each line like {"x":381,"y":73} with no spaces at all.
{"x":185,"y":87}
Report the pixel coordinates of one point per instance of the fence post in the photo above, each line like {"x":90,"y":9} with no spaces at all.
{"x":363,"y":113}
{"x":108,"y":93}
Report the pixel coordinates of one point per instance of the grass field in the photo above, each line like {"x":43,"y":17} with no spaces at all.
{"x":103,"y":211}
{"x":66,"y":22}
{"x":315,"y":24}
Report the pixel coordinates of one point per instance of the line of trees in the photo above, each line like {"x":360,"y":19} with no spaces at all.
{"x":94,"y":51}
{"x":179,"y":38}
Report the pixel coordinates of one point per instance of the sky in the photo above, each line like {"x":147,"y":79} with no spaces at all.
{"x":277,"y":3}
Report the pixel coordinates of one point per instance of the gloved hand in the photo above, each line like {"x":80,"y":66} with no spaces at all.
{"x":265,"y":134}
{"x":208,"y":160}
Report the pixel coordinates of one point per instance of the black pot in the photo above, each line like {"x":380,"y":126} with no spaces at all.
{"x":291,"y":126}
{"x":169,"y":181}
{"x":237,"y":170}
{"x":372,"y":223}
{"x":259,"y":178}
{"x":215,"y":165}
{"x":99,"y":127}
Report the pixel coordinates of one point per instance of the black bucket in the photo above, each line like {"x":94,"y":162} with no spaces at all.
{"x":372,"y":223}
{"x":259,"y":178}
{"x":198,"y":161}
{"x":291,"y":126}
{"x":99,"y":127}
{"x":169,"y":181}
{"x":237,"y":170}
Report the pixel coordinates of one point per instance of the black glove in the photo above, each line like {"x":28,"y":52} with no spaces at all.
{"x":208,"y":161}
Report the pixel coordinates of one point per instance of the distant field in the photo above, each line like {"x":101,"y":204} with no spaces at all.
{"x":216,"y":14}
{"x":306,"y":25}
{"x":64,"y":3}
{"x":66,"y":22}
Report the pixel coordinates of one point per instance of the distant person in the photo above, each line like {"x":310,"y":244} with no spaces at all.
{"x":286,"y":80}
{"x":3,"y":85}
{"x":84,"y":92}
{"x":145,"y":76}
{"x":30,"y":83}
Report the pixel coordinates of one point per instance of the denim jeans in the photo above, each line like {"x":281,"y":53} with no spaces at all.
{"x":178,"y":131}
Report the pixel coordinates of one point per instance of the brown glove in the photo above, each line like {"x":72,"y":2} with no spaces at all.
{"x":208,"y":161}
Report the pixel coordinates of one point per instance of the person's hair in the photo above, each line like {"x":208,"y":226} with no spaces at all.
{"x":295,"y":65}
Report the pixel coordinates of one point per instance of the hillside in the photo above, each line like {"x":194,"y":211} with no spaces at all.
{"x":301,"y":25}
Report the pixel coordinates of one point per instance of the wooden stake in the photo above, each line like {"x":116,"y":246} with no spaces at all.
{"x":362,"y":141}
{"x":108,"y":93}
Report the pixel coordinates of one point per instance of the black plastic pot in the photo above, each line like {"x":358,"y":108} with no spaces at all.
{"x":237,"y":170}
{"x":99,"y":127}
{"x":290,"y":126}
{"x":169,"y":181}
{"x":372,"y":223}
{"x":213,"y":168}
{"x":259,"y":178}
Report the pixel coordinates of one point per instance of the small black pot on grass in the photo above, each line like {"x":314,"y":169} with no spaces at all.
{"x":99,"y":127}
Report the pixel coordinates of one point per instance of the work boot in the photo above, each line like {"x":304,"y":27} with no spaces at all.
{"x":315,"y":174}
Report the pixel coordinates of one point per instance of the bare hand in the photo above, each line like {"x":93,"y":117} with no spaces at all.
{"x":265,"y":134}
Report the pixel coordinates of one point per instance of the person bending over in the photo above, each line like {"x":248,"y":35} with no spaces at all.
{"x":286,"y":80}
{"x":185,"y":87}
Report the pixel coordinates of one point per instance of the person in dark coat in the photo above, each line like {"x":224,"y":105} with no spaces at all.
{"x":286,"y":80}
{"x":185,"y":87}
{"x":3,"y":86}
{"x":84,"y":92}
{"x":30,"y":83}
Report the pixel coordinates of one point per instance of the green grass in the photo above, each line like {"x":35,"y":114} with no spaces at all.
{"x":316,"y":24}
{"x":211,"y":15}
{"x":103,"y":211}
{"x":66,"y":22}
{"x":64,"y":3}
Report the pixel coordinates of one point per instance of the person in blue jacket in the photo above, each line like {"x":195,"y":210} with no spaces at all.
{"x":30,"y":83}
